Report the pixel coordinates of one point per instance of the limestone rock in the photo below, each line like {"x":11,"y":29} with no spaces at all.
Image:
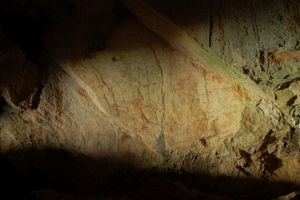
{"x":137,"y":100}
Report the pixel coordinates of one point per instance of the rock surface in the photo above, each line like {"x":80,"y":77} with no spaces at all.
{"x":138,"y":100}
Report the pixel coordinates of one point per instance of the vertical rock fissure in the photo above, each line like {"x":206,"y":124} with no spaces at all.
{"x":211,"y":25}
{"x":256,"y":30}
{"x":161,"y":140}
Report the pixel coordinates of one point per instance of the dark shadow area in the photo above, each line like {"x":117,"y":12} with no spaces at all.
{"x":2,"y":105}
{"x":74,"y":28}
{"x":56,"y":173}
{"x":23,"y":30}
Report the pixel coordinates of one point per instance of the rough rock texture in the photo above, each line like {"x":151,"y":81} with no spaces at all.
{"x":137,"y":100}
{"x":250,"y":35}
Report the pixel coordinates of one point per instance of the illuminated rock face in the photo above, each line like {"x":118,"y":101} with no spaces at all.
{"x":137,"y":96}
{"x":141,"y":101}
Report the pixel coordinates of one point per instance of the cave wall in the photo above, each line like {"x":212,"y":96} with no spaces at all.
{"x":115,"y":89}
{"x":249,"y":35}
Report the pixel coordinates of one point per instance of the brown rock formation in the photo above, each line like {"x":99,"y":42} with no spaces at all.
{"x":156,"y":95}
